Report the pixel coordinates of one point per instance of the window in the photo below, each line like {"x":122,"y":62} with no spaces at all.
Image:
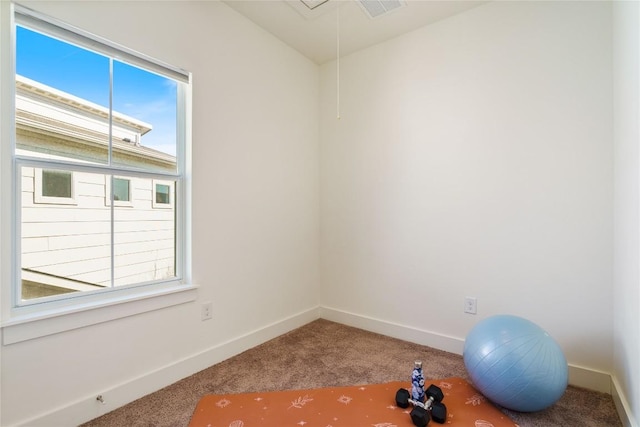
{"x":121,"y":190}
{"x":163,"y":194}
{"x":100,"y":143}
{"x":53,"y":186}
{"x":56,"y":183}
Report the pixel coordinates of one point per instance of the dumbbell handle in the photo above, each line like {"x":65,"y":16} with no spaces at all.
{"x":426,"y":405}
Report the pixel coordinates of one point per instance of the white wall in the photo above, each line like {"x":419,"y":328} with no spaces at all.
{"x":255,"y":215}
{"x":473,"y":157}
{"x":626,"y":289}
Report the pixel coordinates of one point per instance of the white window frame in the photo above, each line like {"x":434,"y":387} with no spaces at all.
{"x":38,"y":197}
{"x":20,"y":323}
{"x":172,"y":196}
{"x":107,"y":192}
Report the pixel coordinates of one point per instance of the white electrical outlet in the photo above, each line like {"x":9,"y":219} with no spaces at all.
{"x":206,"y":311}
{"x":471,"y":305}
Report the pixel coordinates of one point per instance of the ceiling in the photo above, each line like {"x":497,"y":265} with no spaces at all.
{"x":311,"y":26}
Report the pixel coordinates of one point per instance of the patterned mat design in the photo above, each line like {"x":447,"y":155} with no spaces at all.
{"x":370,"y":405}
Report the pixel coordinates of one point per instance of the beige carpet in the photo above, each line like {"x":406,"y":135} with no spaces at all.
{"x":326,"y":354}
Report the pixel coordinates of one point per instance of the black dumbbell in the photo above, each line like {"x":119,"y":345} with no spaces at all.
{"x":422,"y":413}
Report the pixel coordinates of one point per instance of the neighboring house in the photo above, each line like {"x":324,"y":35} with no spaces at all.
{"x":67,"y":215}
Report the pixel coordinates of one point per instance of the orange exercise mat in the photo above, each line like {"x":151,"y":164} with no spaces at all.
{"x":354,"y":406}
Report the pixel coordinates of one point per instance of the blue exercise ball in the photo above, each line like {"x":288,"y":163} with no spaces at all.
{"x":515,"y":363}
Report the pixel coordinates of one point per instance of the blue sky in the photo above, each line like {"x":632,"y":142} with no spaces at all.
{"x":136,"y":93}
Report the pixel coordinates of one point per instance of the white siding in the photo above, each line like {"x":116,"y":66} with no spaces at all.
{"x":74,"y":241}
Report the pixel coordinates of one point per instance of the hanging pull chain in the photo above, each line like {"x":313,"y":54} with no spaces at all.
{"x":338,"y":62}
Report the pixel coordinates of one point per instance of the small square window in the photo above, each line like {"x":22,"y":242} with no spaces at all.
{"x":54,"y":186}
{"x":163,"y":194}
{"x":121,"y":190}
{"x":56,"y":183}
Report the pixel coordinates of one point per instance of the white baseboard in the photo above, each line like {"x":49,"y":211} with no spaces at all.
{"x":622,"y":404}
{"x":590,"y":379}
{"x":394,"y":330}
{"x":88,"y":408}
{"x":578,"y":376}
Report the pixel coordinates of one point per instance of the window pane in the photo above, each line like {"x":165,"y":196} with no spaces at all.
{"x":162,"y":194}
{"x":65,"y":248}
{"x":62,"y":100}
{"x":121,"y":190}
{"x":56,"y":183}
{"x":144,"y":238}
{"x":145,"y":121}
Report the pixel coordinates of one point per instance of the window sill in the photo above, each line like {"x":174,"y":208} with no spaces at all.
{"x":35,"y":325}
